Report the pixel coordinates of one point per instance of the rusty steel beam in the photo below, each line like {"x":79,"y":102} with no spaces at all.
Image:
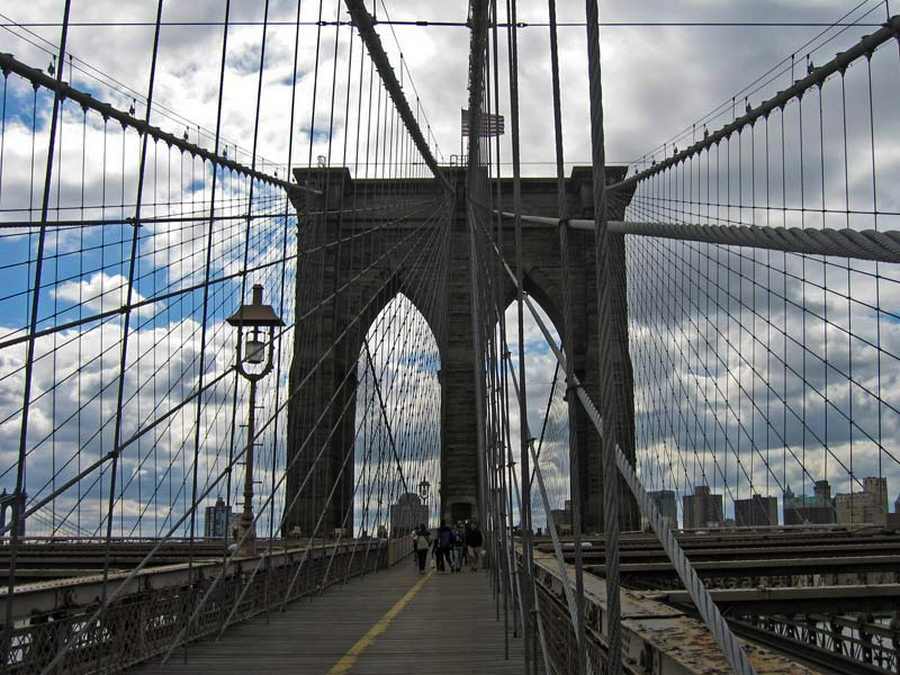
{"x":656,"y":637}
{"x":824,"y":660}
{"x":756,"y":568}
{"x":814,"y":546}
{"x":792,"y":600}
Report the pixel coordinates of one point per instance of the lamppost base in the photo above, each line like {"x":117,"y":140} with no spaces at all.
{"x":246,"y":544}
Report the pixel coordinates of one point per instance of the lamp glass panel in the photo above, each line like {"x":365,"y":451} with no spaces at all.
{"x":255,"y":350}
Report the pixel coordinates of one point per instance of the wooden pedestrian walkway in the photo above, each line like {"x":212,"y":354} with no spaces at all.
{"x":391,"y":621}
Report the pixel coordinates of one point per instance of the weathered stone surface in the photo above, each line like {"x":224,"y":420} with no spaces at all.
{"x":344,"y":282}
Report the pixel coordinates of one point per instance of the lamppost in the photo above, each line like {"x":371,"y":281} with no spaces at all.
{"x":261,"y":321}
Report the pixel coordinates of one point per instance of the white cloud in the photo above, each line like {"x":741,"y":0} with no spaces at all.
{"x":102,"y":292}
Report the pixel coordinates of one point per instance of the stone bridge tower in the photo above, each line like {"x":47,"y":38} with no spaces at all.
{"x":341,"y":288}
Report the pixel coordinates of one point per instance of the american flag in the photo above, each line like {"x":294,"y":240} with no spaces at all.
{"x":491,"y":125}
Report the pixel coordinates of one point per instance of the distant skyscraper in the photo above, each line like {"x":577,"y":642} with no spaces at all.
{"x":702,"y":509}
{"x":218,"y":517}
{"x":667,"y":505}
{"x":817,"y":509}
{"x":757,"y":511}
{"x":893,"y":519}
{"x":877,"y":487}
{"x":562,"y":518}
{"x":407,"y":514}
{"x":868,"y":506}
{"x":822,"y":489}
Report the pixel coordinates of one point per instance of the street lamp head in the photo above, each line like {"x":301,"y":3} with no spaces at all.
{"x":424,"y":488}
{"x":256,"y":314}
{"x":261,"y":320}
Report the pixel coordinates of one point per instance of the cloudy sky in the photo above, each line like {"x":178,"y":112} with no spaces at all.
{"x":669,"y":68}
{"x":660,"y":75}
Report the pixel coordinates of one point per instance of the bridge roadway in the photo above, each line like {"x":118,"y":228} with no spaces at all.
{"x":390,"y":621}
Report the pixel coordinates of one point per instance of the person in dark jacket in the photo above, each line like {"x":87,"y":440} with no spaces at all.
{"x":443,"y":543}
{"x":474,"y":541}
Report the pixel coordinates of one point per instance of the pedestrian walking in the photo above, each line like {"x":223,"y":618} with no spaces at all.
{"x":466,"y":552}
{"x":423,"y":545}
{"x":442,"y":544}
{"x":475,"y":540}
{"x":457,"y":536}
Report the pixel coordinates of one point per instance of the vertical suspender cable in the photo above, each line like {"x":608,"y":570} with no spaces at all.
{"x":126,"y":321}
{"x":317,"y":226}
{"x":290,"y":151}
{"x":473,"y":180}
{"x":525,"y":510}
{"x":500,"y":393}
{"x":247,"y":236}
{"x":17,"y":507}
{"x":568,"y":333}
{"x":607,"y":360}
{"x":203,"y":328}
{"x":878,"y":348}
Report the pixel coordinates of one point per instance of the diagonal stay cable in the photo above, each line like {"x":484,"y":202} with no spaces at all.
{"x":206,"y":386}
{"x":387,"y":421}
{"x":177,"y":524}
{"x":723,"y":635}
{"x":268,"y":501}
{"x":568,"y":583}
{"x":262,"y":558}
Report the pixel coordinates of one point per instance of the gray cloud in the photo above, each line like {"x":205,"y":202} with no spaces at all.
{"x":660,"y":82}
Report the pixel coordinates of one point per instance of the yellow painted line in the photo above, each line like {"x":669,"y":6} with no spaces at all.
{"x":349,"y":659}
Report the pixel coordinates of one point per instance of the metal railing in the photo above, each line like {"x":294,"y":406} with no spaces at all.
{"x":145,"y":621}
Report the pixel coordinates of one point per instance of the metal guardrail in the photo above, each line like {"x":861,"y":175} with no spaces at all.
{"x":149,"y":617}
